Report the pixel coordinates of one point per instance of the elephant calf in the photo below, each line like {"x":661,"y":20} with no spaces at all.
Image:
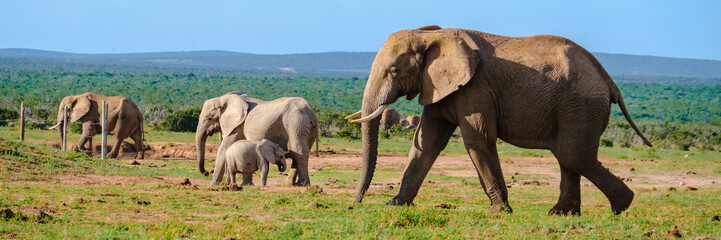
{"x":246,"y":157}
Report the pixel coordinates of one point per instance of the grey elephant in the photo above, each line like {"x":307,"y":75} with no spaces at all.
{"x":389,"y":118}
{"x":124,"y":120}
{"x":405,"y":124}
{"x":540,"y":92}
{"x":289,"y":121}
{"x":247,"y":157}
{"x":413,"y":121}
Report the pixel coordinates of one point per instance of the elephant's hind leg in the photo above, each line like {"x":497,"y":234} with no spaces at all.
{"x":618,"y":194}
{"x":430,"y":139}
{"x":138,"y":139}
{"x":569,"y":201}
{"x":581,"y":158}
{"x":121,"y":132}
{"x":247,"y":179}
{"x":299,"y":153}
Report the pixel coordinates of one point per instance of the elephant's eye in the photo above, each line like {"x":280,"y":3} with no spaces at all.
{"x":209,"y":118}
{"x":393,"y":70}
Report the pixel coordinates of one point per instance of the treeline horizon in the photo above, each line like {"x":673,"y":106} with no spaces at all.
{"x":692,"y":109}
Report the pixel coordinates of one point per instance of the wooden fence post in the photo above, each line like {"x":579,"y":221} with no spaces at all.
{"x":104,"y":133}
{"x":22,"y":121}
{"x":65,"y":128}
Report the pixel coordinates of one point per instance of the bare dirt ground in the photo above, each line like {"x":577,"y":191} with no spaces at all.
{"x":544,"y":169}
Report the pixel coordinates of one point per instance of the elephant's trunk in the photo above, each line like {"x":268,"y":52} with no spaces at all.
{"x":376,"y":96}
{"x":370,"y":155}
{"x":200,"y":137}
{"x":282,"y":165}
{"x":60,"y":126}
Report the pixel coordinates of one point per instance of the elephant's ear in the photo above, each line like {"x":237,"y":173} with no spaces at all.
{"x":233,"y":113}
{"x":81,"y":106}
{"x":266,"y":150}
{"x":449,"y":63}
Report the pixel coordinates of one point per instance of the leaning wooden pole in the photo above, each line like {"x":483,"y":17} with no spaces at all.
{"x":22,"y":121}
{"x":65,"y":128}
{"x":104,"y":148}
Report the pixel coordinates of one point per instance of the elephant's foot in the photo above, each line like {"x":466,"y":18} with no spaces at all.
{"x":247,"y":183}
{"x":302,"y":183}
{"x":396,"y":201}
{"x":565,"y":210}
{"x":620,"y":202}
{"x":500,"y":207}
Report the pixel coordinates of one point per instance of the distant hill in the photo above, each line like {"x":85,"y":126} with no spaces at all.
{"x":345,"y":64}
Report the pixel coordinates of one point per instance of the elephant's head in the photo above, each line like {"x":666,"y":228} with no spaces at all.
{"x":428,"y":62}
{"x":270,"y":152}
{"x":78,"y":106}
{"x":221,"y":114}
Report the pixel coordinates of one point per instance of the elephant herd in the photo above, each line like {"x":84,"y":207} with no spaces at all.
{"x":539,"y":92}
{"x":391,"y":117}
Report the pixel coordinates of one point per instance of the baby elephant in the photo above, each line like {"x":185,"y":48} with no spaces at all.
{"x":246,"y":157}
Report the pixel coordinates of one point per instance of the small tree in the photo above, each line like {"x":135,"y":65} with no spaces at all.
{"x":181,"y":121}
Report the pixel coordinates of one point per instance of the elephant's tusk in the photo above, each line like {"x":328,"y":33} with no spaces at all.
{"x":372,"y":116}
{"x":54,"y":127}
{"x":354,"y":116}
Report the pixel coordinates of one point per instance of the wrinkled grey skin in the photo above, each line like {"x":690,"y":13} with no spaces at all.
{"x":124,"y":120}
{"x":247,"y":157}
{"x":289,"y":121}
{"x":541,"y":92}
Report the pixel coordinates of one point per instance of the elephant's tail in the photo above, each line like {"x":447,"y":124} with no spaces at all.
{"x":618,"y":99}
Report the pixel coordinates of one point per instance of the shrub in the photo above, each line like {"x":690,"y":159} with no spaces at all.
{"x":181,"y":121}
{"x":401,"y":131}
{"x":7,"y":114}
{"x":334,"y":124}
{"x":76,"y":127}
{"x":606,"y":142}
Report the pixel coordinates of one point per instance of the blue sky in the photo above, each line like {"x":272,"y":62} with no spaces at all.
{"x":685,"y":29}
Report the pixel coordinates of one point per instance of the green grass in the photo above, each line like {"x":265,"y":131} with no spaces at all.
{"x":394,"y":145}
{"x":30,"y":179}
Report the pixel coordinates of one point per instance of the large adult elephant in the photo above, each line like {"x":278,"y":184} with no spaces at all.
{"x":289,"y":122}
{"x":542,"y":92}
{"x":389,"y":118}
{"x":124,"y":120}
{"x":413,"y":120}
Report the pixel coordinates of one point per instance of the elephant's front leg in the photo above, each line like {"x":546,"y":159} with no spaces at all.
{"x":480,"y":141}
{"x":220,"y":158}
{"x":430,"y":139}
{"x":87,"y":137}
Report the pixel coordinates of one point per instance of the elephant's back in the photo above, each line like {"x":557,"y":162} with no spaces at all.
{"x":280,"y":120}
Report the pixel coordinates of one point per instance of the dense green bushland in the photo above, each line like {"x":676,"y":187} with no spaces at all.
{"x":679,"y":116}
{"x":181,"y":121}
{"x":7,"y":115}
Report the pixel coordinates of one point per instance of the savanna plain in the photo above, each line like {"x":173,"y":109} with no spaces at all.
{"x":50,"y":193}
